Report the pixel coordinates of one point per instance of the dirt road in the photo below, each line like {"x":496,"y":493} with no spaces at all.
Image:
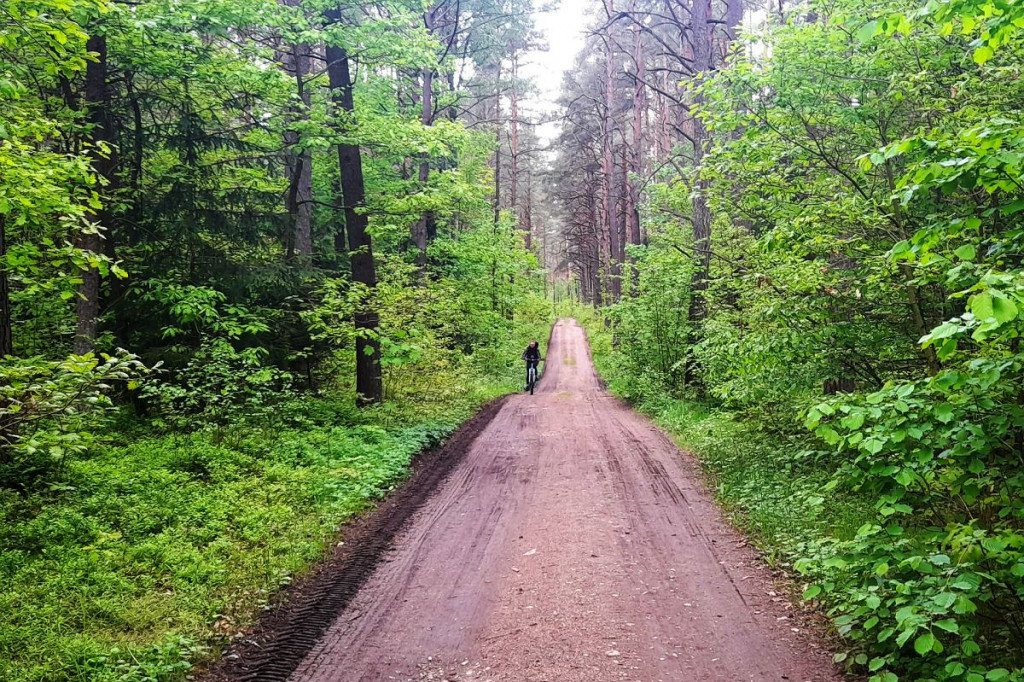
{"x":572,"y":544}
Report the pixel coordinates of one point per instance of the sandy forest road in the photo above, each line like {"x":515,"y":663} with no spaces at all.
{"x":572,"y":544}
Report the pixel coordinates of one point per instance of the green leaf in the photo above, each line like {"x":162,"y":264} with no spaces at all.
{"x":966,"y":252}
{"x":867,"y":31}
{"x":853,"y":421}
{"x":905,"y":636}
{"x":827,"y":434}
{"x":966,"y":581}
{"x":872,"y":446}
{"x":1003,"y":309}
{"x":943,"y":412}
{"x":981,"y":305}
{"x":905,"y":477}
{"x":983,"y":54}
{"x":993,"y":545}
{"x":923,"y":644}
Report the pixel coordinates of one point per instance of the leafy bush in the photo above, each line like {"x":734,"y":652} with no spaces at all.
{"x":219,"y":386}
{"x":50,"y":411}
{"x":942,"y":566}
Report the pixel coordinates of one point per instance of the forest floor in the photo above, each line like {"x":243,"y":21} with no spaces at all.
{"x":558,"y":537}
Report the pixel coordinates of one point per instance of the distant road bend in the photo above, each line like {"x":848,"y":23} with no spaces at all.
{"x":573,"y":543}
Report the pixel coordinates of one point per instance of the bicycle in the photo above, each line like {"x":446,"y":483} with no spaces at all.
{"x":531,"y":375}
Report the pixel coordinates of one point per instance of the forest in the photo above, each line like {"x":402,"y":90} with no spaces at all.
{"x":251,"y":261}
{"x":255,"y":255}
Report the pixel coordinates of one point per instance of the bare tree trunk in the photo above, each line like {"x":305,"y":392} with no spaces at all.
{"x":6,"y":334}
{"x":664,"y":120}
{"x":369,"y":386}
{"x":733,"y":19}
{"x":299,"y":202}
{"x":637,"y":159}
{"x":497,"y":182}
{"x":340,"y":238}
{"x":97,"y":101}
{"x":702,"y":38}
{"x":597,"y":228}
{"x":624,"y":218}
{"x":497,"y":151}
{"x":514,"y":142}
{"x":8,"y":431}
{"x":607,"y":163}
{"x":528,"y":214}
{"x":423,"y":227}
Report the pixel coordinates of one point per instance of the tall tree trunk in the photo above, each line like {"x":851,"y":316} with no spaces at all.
{"x":497,"y":184}
{"x":369,"y":385}
{"x":607,"y":163}
{"x":733,"y":19}
{"x":702,"y":37}
{"x":597,"y":229}
{"x":423,"y":227}
{"x":299,"y":161}
{"x":97,"y":101}
{"x":338,"y":211}
{"x":528,"y":213}
{"x":514,"y":141}
{"x":664,"y":118}
{"x":6,"y":333}
{"x":7,"y":430}
{"x":637,"y":150}
{"x":626,"y":220}
{"x":497,"y":151}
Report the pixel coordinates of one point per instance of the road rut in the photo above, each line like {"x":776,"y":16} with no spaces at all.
{"x":573,"y":543}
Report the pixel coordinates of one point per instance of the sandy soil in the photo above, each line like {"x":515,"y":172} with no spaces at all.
{"x":573,"y":542}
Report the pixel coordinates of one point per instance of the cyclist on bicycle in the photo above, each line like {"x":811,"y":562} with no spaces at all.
{"x":532,"y":358}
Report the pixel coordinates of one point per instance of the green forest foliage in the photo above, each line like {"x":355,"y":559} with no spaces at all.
{"x":157,"y":485}
{"x":865,"y":308}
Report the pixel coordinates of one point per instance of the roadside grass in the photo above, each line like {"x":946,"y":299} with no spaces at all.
{"x":157,"y":547}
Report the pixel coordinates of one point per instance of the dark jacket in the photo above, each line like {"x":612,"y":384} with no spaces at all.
{"x":531,"y":354}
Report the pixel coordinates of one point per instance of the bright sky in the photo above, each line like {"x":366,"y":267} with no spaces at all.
{"x":563,"y":30}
